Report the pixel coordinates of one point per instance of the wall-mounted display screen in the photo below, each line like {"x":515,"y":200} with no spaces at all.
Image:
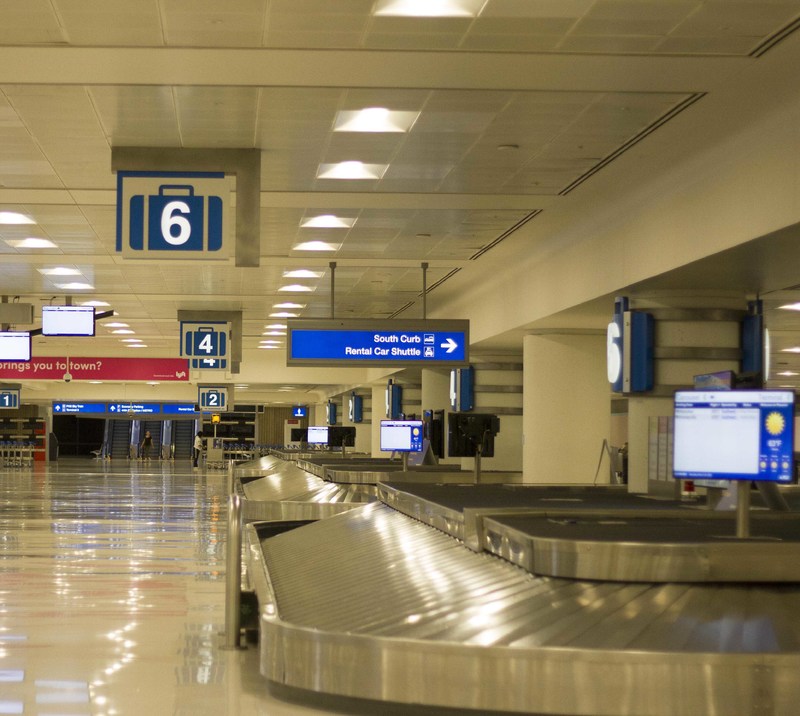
{"x":15,"y":346}
{"x":401,"y":435}
{"x":734,"y":435}
{"x":318,"y":435}
{"x":67,"y":320}
{"x":300,"y":411}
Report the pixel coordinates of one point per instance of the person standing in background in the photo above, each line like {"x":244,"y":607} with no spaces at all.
{"x":198,"y":448}
{"x":147,"y":445}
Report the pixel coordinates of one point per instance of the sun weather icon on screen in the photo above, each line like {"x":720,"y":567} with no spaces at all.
{"x":775,"y":423}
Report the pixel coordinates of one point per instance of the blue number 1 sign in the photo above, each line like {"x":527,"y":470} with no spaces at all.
{"x":173,"y":215}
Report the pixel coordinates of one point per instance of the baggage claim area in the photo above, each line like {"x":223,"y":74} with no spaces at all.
{"x":400,"y":358}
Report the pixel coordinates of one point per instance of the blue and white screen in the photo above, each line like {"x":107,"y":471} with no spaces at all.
{"x":401,"y":435}
{"x":734,"y":435}
{"x":318,"y":435}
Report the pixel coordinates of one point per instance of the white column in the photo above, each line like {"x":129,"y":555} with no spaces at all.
{"x":378,"y":414}
{"x":566,"y":414}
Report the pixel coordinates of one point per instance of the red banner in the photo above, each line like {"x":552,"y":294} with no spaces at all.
{"x":53,"y":368}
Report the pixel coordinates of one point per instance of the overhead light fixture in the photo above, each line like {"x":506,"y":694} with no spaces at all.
{"x":116,"y":324}
{"x":31,"y":243}
{"x":316,"y":246}
{"x":283,"y":314}
{"x":295,"y":288}
{"x":303,"y":273}
{"x":274,"y":333}
{"x":137,"y":345}
{"x":428,"y":8}
{"x":123,"y":331}
{"x":75,"y":286}
{"x":328,"y":221}
{"x":289,"y":304}
{"x":59,"y":271}
{"x":276,"y":327}
{"x":374,"y":119}
{"x":788,"y":373}
{"x":351,"y":170}
{"x":794,"y":349}
{"x":271,"y":343}
{"x":269,"y":347}
{"x":131,"y":340}
{"x":791,"y":307}
{"x":95,"y":382}
{"x":15,"y":218}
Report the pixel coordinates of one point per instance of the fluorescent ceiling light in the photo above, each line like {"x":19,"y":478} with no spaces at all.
{"x":328,"y":221}
{"x":788,"y":373}
{"x":351,"y":170}
{"x":269,"y":348}
{"x":289,"y":304}
{"x":296,"y":288}
{"x":428,"y":8}
{"x":796,"y":349}
{"x":116,"y":324}
{"x":374,"y":119}
{"x":316,"y":246}
{"x":59,"y":271}
{"x":136,"y":345}
{"x":95,"y":303}
{"x":31,"y":243}
{"x":74,"y":286}
{"x":12,"y":217}
{"x":123,"y":331}
{"x":96,"y":382}
{"x":274,"y":333}
{"x":276,"y":327}
{"x":242,"y":387}
{"x":131,"y":340}
{"x":303,"y":273}
{"x":791,"y":307}
{"x":283,"y":314}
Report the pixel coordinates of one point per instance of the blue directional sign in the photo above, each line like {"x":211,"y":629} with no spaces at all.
{"x":173,"y":214}
{"x":213,"y":398}
{"x":206,"y":344}
{"x":359,"y":342}
{"x":178,"y":408}
{"x":83,"y":408}
{"x":9,"y":398}
{"x":136,"y":408}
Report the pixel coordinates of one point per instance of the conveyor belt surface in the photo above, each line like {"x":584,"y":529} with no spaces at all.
{"x":374,"y":605}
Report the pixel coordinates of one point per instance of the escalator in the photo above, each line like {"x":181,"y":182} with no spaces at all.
{"x":183,"y":439}
{"x":119,"y":438}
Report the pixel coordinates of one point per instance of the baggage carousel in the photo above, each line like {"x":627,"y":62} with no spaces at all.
{"x":547,"y":615}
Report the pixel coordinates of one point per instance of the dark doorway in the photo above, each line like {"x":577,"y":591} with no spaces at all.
{"x":78,"y":436}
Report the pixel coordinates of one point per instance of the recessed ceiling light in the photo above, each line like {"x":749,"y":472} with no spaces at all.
{"x":303,"y":273}
{"x":136,"y":345}
{"x":269,"y":347}
{"x":12,"y":217}
{"x":116,"y":324}
{"x":274,"y":333}
{"x":428,"y":8}
{"x":788,"y":373}
{"x":351,"y":170}
{"x":153,"y":382}
{"x":271,"y":343}
{"x":795,"y":349}
{"x":74,"y":286}
{"x":295,"y":288}
{"x":791,"y":307}
{"x":59,"y":271}
{"x":289,"y":304}
{"x":95,"y":382}
{"x":328,"y":221}
{"x":276,"y":326}
{"x":123,"y":331}
{"x":31,"y":243}
{"x":241,"y":387}
{"x":131,"y":340}
{"x":374,"y":119}
{"x":95,"y":303}
{"x":316,"y":246}
{"x":283,"y":314}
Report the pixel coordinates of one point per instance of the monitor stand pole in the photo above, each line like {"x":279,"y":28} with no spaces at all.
{"x":477,"y":464}
{"x":743,"y":509}
{"x":405,"y":461}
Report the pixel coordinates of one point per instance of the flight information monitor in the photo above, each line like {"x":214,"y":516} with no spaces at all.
{"x":401,"y":435}
{"x":15,"y":346}
{"x":734,"y":435}
{"x":67,"y":320}
{"x":318,"y":435}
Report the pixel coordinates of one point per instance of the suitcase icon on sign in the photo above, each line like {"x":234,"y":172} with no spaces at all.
{"x":176,"y":220}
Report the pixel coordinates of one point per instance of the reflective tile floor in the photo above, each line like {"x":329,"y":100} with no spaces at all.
{"x":112,"y":594}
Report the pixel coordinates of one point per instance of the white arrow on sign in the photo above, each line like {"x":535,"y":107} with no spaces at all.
{"x":210,"y":361}
{"x":57,"y":408}
{"x":450,"y":345}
